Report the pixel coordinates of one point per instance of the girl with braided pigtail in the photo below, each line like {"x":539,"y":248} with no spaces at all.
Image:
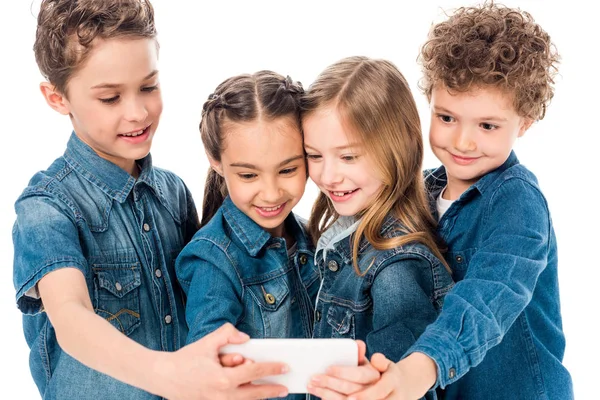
{"x":251,"y":263}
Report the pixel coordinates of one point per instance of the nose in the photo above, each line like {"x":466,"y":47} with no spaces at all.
{"x":464,"y":141}
{"x":135,"y":110}
{"x":330,"y":173}
{"x":271,"y":192}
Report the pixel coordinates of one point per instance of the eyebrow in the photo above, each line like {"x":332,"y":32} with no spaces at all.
{"x":281,"y":164}
{"x":346,"y":146}
{"x":116,"y":85}
{"x":443,"y":110}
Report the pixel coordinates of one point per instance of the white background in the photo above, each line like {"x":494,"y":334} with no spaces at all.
{"x":203,"y":43}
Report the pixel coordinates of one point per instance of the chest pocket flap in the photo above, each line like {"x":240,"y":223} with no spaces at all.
{"x":270,"y":295}
{"x":116,"y":294}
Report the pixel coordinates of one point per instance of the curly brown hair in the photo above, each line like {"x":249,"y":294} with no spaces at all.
{"x":66,"y":30}
{"x":492,"y":45}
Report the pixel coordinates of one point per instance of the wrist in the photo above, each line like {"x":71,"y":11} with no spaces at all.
{"x":161,"y":374}
{"x":423,"y":369}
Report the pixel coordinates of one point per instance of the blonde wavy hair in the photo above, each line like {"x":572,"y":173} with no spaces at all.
{"x":374,"y":100}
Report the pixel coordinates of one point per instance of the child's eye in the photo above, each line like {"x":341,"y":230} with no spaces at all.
{"x":349,"y":158}
{"x":288,"y":171}
{"x":149,"y":89}
{"x":313,"y":157}
{"x":110,"y":100}
{"x":446,"y":118}
{"x":488,"y":127}
{"x":247,"y":177}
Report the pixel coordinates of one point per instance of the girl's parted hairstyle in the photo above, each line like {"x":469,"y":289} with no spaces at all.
{"x":264,"y":95}
{"x":375,"y":103}
{"x":66,"y":30}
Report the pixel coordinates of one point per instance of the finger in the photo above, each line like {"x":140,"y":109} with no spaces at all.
{"x":334,"y":384}
{"x":251,"y":392}
{"x":226,"y":334}
{"x":381,"y":390}
{"x":231,"y":360}
{"x":324,"y":393}
{"x":362,"y":352}
{"x":380,"y":362}
{"x":363,"y":375}
{"x":249,"y":372}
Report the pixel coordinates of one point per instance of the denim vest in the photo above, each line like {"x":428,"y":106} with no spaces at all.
{"x":124,"y":235}
{"x":234,"y":271}
{"x":505,"y":305}
{"x":400,"y":293}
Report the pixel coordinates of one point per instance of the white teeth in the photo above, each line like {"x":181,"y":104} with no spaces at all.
{"x":269,"y":209}
{"x":340,"y":194}
{"x":134,"y":134}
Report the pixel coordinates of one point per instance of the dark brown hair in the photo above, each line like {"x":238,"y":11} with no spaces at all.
{"x":375,"y":102}
{"x":66,"y":30}
{"x":264,"y":95}
{"x":492,"y":45}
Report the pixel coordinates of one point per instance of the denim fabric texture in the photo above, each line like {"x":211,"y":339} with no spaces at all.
{"x":505,"y":305}
{"x":124,"y":235}
{"x":234,"y":271}
{"x":401,"y":292}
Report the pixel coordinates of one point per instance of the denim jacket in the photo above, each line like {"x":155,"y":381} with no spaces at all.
{"x":505,"y":305}
{"x":401,"y":292}
{"x":123,"y":235}
{"x":235,"y":271}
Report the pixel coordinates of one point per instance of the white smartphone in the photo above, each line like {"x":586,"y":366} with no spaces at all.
{"x":305,"y":357}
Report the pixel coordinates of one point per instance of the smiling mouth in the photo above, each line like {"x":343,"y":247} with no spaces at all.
{"x":270,"y":209}
{"x":341,"y":194}
{"x":136,"y":133}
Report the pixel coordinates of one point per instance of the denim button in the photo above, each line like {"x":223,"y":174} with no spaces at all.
{"x":168,"y":319}
{"x":118,"y":287}
{"x":333,"y":266}
{"x":158,"y":273}
{"x":303,"y":259}
{"x":451,"y":373}
{"x":458,"y":259}
{"x":318,"y":316}
{"x":270,"y":298}
{"x":146,"y":227}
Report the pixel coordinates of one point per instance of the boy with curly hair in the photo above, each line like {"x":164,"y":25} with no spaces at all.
{"x":97,"y":233}
{"x":488,"y":75}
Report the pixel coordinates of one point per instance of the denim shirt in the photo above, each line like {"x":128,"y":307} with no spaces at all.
{"x":505,"y":305}
{"x":235,"y":271}
{"x":400,"y":293}
{"x":123,"y":235}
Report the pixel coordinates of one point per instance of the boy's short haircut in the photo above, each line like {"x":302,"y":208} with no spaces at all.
{"x":67,"y":28}
{"x":492,"y":45}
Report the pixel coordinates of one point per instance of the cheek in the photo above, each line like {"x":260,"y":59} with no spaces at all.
{"x":156,"y":105}
{"x":314,"y":170}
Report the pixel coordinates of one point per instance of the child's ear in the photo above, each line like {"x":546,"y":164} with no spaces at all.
{"x":215,"y":165}
{"x":525,"y":125}
{"x":56,"y":100}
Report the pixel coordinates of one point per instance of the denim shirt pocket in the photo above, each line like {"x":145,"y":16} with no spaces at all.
{"x":341,"y":321}
{"x":272,"y":299}
{"x":459,"y":262}
{"x":117,"y":294}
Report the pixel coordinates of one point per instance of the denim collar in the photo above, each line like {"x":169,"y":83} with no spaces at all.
{"x":345,"y":227}
{"x":437,"y":179}
{"x":108,"y":177}
{"x":253,"y":237}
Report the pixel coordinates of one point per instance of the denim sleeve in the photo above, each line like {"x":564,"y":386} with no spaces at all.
{"x":214,"y":291}
{"x":45,"y":238}
{"x":498,"y":285}
{"x":402,"y":296}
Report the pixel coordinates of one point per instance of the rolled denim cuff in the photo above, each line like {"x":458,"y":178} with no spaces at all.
{"x":445,"y":351}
